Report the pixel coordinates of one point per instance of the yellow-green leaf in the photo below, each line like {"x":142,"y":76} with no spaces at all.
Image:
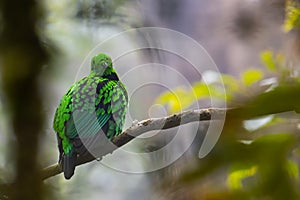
{"x":164,"y":98}
{"x":230,"y":82}
{"x":177,"y":99}
{"x":201,"y":90}
{"x":292,"y":168}
{"x":292,"y":16}
{"x":251,"y":76}
{"x":267,"y":59}
{"x":234,"y":180}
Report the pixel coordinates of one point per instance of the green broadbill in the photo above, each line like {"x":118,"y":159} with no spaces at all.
{"x":92,"y":111}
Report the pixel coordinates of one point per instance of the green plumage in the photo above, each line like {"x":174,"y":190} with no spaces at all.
{"x":96,"y":103}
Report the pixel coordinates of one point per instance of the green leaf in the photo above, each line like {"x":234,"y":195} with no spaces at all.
{"x":292,"y":16}
{"x":292,"y":168}
{"x":213,"y":90}
{"x":235,"y":178}
{"x":267,"y":59}
{"x":251,"y":76}
{"x":164,"y":98}
{"x":177,"y":99}
{"x":201,"y":90}
{"x":274,"y":145}
{"x":232,"y":84}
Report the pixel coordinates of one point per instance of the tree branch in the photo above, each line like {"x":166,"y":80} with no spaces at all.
{"x":146,"y":126}
{"x":256,"y":107}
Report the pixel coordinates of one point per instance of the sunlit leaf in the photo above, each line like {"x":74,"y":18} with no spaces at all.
{"x":251,"y":76}
{"x":177,"y":99}
{"x":235,"y":178}
{"x":201,"y":90}
{"x":231,"y":83}
{"x":267,"y":59}
{"x":292,"y":15}
{"x":164,"y":97}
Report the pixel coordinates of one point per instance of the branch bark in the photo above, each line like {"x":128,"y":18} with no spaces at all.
{"x":146,"y":126}
{"x":257,"y":107}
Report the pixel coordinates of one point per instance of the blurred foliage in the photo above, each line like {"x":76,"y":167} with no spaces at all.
{"x":260,"y":162}
{"x":22,"y":58}
{"x":84,"y":9}
{"x":270,"y":61}
{"x":261,"y":169}
{"x":292,"y":18}
{"x":181,"y":98}
{"x":251,"y":76}
{"x":97,"y":9}
{"x":250,"y":83}
{"x":237,"y":175}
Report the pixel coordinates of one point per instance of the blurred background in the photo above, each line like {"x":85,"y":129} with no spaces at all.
{"x":253,"y":48}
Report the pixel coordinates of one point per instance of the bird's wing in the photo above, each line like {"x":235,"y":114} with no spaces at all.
{"x":62,"y":115}
{"x":84,"y":124}
{"x":119,"y":103}
{"x":108,"y":114}
{"x":92,"y":110}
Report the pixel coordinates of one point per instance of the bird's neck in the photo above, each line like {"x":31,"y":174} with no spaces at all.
{"x":109,"y":73}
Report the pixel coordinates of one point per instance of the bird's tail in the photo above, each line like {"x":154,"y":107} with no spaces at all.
{"x":69,"y":164}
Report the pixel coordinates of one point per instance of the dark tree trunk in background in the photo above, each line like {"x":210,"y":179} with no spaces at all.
{"x":22,"y":57}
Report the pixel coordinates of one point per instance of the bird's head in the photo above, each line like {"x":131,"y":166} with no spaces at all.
{"x":100,"y":63}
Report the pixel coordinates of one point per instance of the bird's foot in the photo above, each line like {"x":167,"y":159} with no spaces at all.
{"x":60,"y":161}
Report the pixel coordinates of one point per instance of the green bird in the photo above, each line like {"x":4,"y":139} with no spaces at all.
{"x":93,"y":107}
